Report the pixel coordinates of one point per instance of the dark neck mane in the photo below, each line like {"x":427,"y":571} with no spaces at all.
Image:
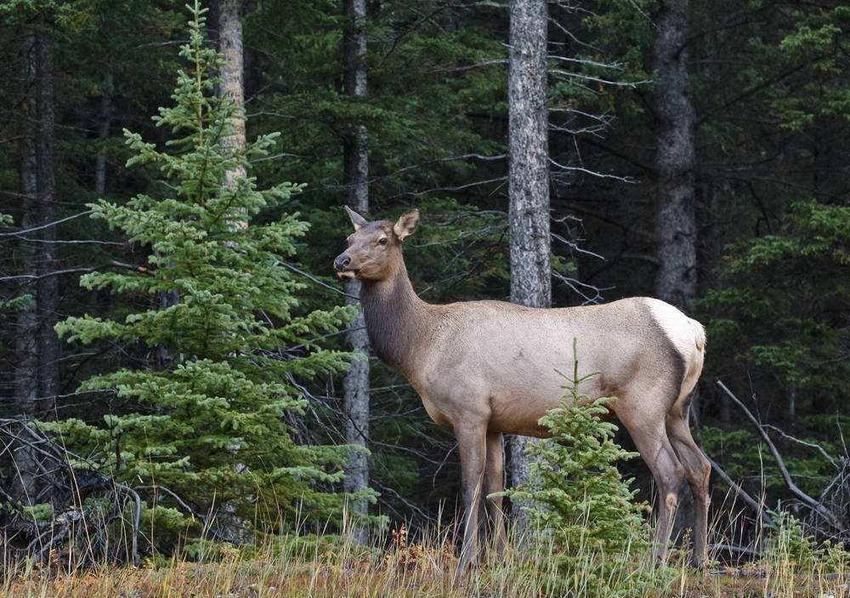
{"x":396,"y":318}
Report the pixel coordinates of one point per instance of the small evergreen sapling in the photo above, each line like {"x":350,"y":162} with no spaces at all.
{"x":579,"y":505}
{"x":209,"y":414}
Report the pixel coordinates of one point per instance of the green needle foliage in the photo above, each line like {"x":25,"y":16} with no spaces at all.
{"x":579,"y":505}
{"x":209,"y":413}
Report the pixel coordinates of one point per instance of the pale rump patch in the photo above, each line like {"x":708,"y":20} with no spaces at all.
{"x":687,"y":336}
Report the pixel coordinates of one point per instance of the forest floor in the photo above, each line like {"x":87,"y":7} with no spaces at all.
{"x":414,"y":570}
{"x":254,"y":580}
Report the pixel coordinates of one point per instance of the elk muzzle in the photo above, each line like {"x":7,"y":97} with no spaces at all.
{"x":341,"y":264}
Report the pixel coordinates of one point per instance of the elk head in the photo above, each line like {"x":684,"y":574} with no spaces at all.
{"x":374,"y":248}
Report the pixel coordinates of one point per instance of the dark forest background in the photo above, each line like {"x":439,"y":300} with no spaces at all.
{"x":758,"y":235}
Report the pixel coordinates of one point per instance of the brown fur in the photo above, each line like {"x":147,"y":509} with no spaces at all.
{"x":487,"y":367}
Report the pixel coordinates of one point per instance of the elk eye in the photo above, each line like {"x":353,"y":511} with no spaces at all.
{"x":382,"y":241}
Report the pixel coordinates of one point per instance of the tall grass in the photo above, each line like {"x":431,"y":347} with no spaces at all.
{"x":397,"y":564}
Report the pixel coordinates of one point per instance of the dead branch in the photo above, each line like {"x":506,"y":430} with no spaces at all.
{"x":587,"y":171}
{"x":455,"y":189}
{"x":807,"y":500}
{"x":316,"y":280}
{"x":757,"y":506}
{"x":67,"y":489}
{"x":135,"y":523}
{"x":813,"y":445}
{"x":45,"y":225}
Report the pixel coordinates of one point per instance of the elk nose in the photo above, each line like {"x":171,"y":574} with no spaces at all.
{"x":341,"y":262}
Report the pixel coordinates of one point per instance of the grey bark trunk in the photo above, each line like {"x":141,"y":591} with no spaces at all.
{"x":356,"y":384}
{"x":675,"y":160}
{"x":232,"y":77}
{"x":528,"y":177}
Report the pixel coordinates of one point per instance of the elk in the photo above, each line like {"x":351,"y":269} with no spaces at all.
{"x":488,"y":368}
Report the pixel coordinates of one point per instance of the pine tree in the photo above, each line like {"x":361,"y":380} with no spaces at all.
{"x":575,"y":499}
{"x":235,"y":351}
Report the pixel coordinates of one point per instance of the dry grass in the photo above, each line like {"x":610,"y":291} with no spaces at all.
{"x":312,"y":566}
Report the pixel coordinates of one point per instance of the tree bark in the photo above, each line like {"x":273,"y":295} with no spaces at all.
{"x":103,"y":126}
{"x":674,"y":162}
{"x":528,"y":176}
{"x":48,"y":286}
{"x":234,"y":142}
{"x":356,"y":384}
{"x":26,"y":341}
{"x":675,"y":158}
{"x":232,"y":79}
{"x":37,"y":374}
{"x":37,"y":344}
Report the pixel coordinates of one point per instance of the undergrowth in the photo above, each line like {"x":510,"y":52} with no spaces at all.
{"x":399,"y":565}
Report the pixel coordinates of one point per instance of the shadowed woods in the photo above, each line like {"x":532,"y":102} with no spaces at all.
{"x":193,"y":399}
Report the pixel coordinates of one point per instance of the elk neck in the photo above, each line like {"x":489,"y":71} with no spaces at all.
{"x":397,"y":320}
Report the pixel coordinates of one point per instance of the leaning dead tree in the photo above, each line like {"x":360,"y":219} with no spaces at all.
{"x":827,"y":515}
{"x":70,"y":511}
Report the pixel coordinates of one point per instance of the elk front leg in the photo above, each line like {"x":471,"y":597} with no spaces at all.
{"x":494,"y":481}
{"x":472,"y":444}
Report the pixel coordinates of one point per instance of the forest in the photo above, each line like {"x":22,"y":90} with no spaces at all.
{"x":202,"y":393}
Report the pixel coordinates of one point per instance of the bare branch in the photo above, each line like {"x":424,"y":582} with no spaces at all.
{"x":813,"y":445}
{"x":757,"y":506}
{"x":600,"y":175}
{"x":586,"y":61}
{"x":458,"y":188}
{"x":70,"y":241}
{"x":783,"y":469}
{"x":577,"y":286}
{"x":316,"y":280}
{"x":31,"y":277}
{"x":592,"y":79}
{"x":469,"y":67}
{"x":45,"y":225}
{"x":575,"y":246}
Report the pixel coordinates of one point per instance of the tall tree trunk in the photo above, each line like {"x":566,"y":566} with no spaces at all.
{"x":232,"y":75}
{"x":675,"y":158}
{"x":232,"y":78}
{"x":356,"y":385}
{"x":37,"y":374}
{"x":26,"y":341}
{"x":104,"y":124}
{"x":674,"y":162}
{"x":48,"y":286}
{"x":528,"y":175}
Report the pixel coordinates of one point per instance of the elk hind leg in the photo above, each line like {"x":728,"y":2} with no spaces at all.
{"x":697,"y":470}
{"x":650,"y":438}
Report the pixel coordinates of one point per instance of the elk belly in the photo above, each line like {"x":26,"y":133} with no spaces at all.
{"x":437,"y":416}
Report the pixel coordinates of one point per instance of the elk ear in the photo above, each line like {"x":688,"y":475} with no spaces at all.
{"x":356,"y":219}
{"x":405,"y":225}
